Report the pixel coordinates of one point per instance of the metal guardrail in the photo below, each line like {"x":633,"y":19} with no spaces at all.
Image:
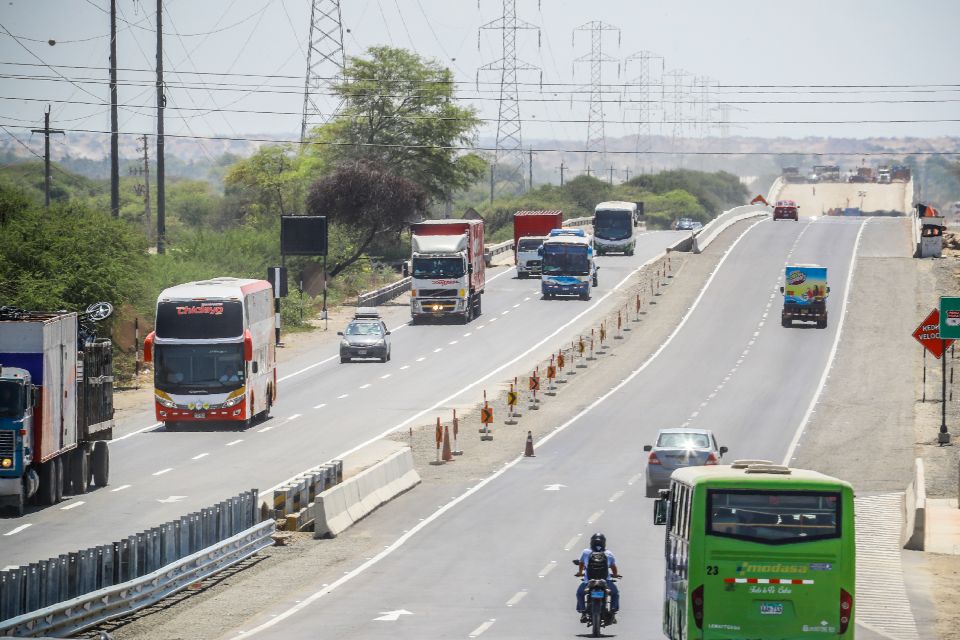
{"x":578,"y":222}
{"x":78,"y":589}
{"x":384,"y":294}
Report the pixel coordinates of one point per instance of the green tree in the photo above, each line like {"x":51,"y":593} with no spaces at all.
{"x":193,"y":202}
{"x":587,"y":192}
{"x":399,"y":112}
{"x":271,"y":182}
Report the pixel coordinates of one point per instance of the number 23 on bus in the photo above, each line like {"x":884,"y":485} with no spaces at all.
{"x":757,"y":550}
{"x":213,"y":352}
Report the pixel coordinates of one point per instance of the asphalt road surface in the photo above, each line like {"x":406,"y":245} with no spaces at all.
{"x":324,"y":409}
{"x":495,"y":562}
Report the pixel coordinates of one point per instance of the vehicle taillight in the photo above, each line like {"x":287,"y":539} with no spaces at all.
{"x":712,"y":459}
{"x":148,"y":347}
{"x":697,"y":600}
{"x":846,"y":610}
{"x":653,"y":459}
{"x":247,"y":345}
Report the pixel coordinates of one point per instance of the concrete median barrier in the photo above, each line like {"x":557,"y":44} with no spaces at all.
{"x":341,"y":506}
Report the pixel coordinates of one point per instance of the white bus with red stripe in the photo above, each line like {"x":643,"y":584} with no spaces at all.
{"x":213,"y":352}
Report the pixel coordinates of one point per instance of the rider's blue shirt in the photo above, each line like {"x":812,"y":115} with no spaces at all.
{"x":585,"y":557}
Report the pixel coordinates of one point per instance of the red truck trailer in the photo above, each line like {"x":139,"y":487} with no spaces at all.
{"x":447,"y":268}
{"x":532,"y":227}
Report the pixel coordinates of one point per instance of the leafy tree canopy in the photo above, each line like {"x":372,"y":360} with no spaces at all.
{"x":399,"y":112}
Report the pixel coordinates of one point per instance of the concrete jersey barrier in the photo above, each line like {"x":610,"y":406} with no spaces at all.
{"x":339,"y":507}
{"x":716,"y":226}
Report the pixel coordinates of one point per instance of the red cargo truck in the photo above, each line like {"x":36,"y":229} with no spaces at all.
{"x":530,"y":229}
{"x":447,"y":268}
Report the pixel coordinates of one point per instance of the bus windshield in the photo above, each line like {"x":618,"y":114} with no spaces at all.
{"x":612,"y":224}
{"x":198,"y":368}
{"x":569,"y":260}
{"x":437,"y":268}
{"x":774,"y":517}
{"x":196,"y":319}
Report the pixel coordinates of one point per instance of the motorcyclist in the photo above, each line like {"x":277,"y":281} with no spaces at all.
{"x":598,"y":542}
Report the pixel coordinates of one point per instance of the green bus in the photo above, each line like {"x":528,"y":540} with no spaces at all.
{"x":757,"y":551}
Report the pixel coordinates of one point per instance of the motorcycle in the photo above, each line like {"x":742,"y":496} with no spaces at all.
{"x":597,"y":595}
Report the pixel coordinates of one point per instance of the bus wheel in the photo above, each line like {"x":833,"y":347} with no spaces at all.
{"x":101,"y":463}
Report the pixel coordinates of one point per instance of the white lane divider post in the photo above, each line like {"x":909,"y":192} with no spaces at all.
{"x":456,"y":432}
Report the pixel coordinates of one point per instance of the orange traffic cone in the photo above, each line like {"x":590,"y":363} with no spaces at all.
{"x":528,"y":452}
{"x":447,"y":455}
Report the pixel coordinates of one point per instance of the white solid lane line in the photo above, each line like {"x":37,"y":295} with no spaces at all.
{"x":163,"y":471}
{"x":72,"y":505}
{"x":486,"y":625}
{"x":120,"y":488}
{"x":320,"y":406}
{"x":518,"y":596}
{"x":200,"y":455}
{"x":14,"y":532}
{"x":547,"y":569}
{"x":230,"y":444}
{"x":133,"y":433}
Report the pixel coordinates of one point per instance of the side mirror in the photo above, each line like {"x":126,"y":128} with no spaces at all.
{"x":828,"y":289}
{"x":648,"y":447}
{"x":540,"y":250}
{"x":470,"y":268}
{"x":35,"y":395}
{"x":255,"y":366}
{"x":723,"y":450}
{"x":406,"y":269}
{"x":339,"y":333}
{"x":781,"y":289}
{"x":660,"y":511}
{"x":388,"y":333}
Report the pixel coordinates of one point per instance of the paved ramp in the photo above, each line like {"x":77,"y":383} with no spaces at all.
{"x":816,"y":199}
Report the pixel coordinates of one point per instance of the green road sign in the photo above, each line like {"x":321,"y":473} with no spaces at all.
{"x":949,"y":317}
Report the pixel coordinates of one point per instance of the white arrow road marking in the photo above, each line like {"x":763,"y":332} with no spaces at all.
{"x":554,"y":487}
{"x":393,"y":616}
{"x":171,"y":499}
{"x":14,"y":532}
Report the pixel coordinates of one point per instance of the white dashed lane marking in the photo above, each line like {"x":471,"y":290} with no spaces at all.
{"x":163,"y":471}
{"x":365,"y":386}
{"x":294,"y":416}
{"x":17,"y":530}
{"x":198,"y":456}
{"x":483,"y":627}
{"x":72,"y":505}
{"x":342,"y":396}
{"x":120,"y":488}
{"x":547,"y":569}
{"x":230,"y":444}
{"x":322,"y":405}
{"x":518,"y":596}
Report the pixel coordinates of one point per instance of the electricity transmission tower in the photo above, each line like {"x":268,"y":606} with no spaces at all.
{"x":641,"y":92}
{"x":725,"y":124}
{"x":702,"y":111}
{"x":325,"y":63}
{"x":508,"y":160}
{"x":675,"y":97}
{"x":596,"y":135}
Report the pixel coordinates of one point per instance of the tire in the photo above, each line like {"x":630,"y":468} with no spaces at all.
{"x":47,"y":493}
{"x":630,"y":253}
{"x":389,"y":354}
{"x":584,"y":296}
{"x":785,"y":322}
{"x":172,"y":426}
{"x":101,"y":463}
{"x":344,"y":360}
{"x":19,"y":507}
{"x":384,"y":357}
{"x":79,"y":471}
{"x":596,"y":613}
{"x":521,"y":275}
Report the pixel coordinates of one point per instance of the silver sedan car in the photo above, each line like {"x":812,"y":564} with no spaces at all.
{"x":678,"y":448}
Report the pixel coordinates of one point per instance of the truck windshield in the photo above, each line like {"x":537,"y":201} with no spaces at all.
{"x":196,"y":319}
{"x":567,"y":260}
{"x":774,"y":517}
{"x":612,"y":224}
{"x":201,"y":368}
{"x":424,"y":268}
{"x":11,"y":399}
{"x":529,"y":244}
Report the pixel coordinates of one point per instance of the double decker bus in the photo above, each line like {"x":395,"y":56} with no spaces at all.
{"x":756,"y":550}
{"x":213,"y":352}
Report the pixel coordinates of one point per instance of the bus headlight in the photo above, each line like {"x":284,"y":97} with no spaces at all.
{"x":164,"y":400}
{"x":6,"y":463}
{"x":234,"y":398}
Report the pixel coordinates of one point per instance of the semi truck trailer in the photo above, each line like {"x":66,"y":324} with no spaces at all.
{"x":447,"y":269}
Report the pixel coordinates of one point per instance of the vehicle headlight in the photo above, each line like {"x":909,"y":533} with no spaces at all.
{"x":164,"y":400}
{"x":232,"y":402}
{"x":463,"y":293}
{"x":6,"y":463}
{"x":344,"y":343}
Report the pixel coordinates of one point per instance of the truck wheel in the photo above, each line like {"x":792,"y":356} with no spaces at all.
{"x":101,"y":463}
{"x":47,"y":493}
{"x":785,"y":322}
{"x":19,"y":503}
{"x":79,"y":471}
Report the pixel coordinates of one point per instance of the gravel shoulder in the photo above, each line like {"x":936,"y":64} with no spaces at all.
{"x":280,"y":576}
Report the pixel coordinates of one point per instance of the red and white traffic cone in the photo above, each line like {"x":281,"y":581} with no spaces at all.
{"x":528,"y":451}
{"x":447,"y":454}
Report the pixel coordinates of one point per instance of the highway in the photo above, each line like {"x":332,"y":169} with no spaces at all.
{"x":495,"y":561}
{"x":324,"y":410}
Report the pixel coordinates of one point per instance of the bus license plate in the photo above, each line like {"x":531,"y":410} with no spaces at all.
{"x":771,"y":608}
{"x":199,"y":416}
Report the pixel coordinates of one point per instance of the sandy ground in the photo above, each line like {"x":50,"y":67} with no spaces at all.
{"x":285,"y":574}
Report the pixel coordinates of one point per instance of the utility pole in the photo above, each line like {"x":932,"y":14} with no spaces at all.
{"x":161,"y":102}
{"x":530,"y":185}
{"x":46,"y":131}
{"x":626,"y":172}
{"x":114,"y":125}
{"x":611,"y":174}
{"x":562,"y":167}
{"x":146,"y":184}
{"x":325,"y":63}
{"x":509,"y":148}
{"x":588,"y":171}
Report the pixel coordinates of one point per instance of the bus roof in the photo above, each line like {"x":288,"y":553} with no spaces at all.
{"x":222,"y":288}
{"x":753,"y":475}
{"x":568,"y":239}
{"x":616,"y":205}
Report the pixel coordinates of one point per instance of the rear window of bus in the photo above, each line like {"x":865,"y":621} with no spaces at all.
{"x":774,"y":517}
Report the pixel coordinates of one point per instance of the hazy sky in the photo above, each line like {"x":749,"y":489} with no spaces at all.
{"x":733,"y":42}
